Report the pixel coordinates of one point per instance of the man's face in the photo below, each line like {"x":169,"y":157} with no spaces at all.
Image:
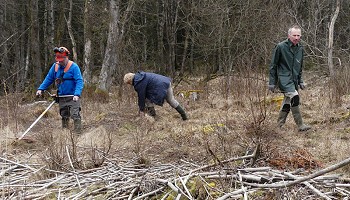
{"x":61,"y":58}
{"x":295,"y":36}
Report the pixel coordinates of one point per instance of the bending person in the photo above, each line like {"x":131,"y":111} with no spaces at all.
{"x":153,"y":89}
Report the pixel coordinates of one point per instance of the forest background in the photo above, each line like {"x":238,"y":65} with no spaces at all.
{"x":172,"y":37}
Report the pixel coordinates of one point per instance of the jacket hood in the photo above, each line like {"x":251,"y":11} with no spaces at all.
{"x":139,"y":76}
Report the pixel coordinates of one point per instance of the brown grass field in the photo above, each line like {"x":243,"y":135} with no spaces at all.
{"x":232,"y":115}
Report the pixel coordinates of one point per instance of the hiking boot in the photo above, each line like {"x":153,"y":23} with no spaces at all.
{"x":180,"y":110}
{"x":299,"y":120}
{"x":65,"y":122}
{"x":77,"y":126}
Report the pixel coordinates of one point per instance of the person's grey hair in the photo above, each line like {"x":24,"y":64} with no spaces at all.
{"x":128,"y":78}
{"x":293,"y":27}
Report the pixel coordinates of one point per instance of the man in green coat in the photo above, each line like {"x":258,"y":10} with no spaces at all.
{"x":286,"y":74}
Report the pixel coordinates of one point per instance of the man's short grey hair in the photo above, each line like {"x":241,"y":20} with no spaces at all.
{"x":295,"y":27}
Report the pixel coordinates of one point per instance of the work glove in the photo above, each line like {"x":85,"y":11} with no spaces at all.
{"x":38,"y":93}
{"x":272,"y":88}
{"x":75,"y":98}
{"x":302,"y":86}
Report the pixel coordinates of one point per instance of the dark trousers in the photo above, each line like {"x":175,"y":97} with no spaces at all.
{"x":69,"y":108}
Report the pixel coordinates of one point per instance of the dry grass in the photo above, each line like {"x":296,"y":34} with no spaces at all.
{"x":229,"y":119}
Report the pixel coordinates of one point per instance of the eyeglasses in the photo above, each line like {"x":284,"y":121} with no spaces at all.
{"x":61,"y":50}
{"x":58,"y":49}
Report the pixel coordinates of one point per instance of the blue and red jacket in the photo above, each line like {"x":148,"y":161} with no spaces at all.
{"x":72,"y":81}
{"x":150,"y":86}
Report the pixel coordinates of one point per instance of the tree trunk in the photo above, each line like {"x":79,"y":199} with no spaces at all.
{"x":34,"y":44}
{"x":171,"y":15}
{"x":48,"y":32}
{"x":160,"y":34}
{"x":4,"y":61}
{"x":70,"y":31}
{"x":52,"y":25}
{"x":26,"y":66}
{"x":121,"y":30}
{"x":108,"y":65}
{"x":330,"y":41}
{"x":22,"y":51}
{"x":184,"y":54}
{"x":117,"y":29}
{"x":87,"y":48}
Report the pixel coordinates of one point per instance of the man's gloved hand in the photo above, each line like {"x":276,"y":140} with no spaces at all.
{"x":75,"y":98}
{"x":272,"y":88}
{"x":38,"y":93}
{"x":302,"y":86}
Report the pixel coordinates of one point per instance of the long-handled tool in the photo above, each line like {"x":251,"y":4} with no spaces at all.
{"x":42,"y":114}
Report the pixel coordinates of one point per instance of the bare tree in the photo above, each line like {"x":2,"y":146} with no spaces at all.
{"x":109,"y":65}
{"x":122,"y":29}
{"x":87,"y":47}
{"x":160,"y":35}
{"x":34,"y":43}
{"x":70,"y":31}
{"x":330,"y":40}
{"x":171,"y":17}
{"x":52,"y":25}
{"x":117,"y":28}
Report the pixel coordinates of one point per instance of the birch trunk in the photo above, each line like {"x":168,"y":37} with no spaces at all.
{"x":87,"y":47}
{"x":117,"y":29}
{"x":121,"y":30}
{"x":108,"y":65}
{"x":330,"y":41}
{"x":70,"y":31}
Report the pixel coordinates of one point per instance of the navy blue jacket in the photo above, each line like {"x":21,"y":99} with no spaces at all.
{"x":150,"y":86}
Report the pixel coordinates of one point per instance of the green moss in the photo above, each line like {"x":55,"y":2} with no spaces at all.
{"x":258,"y":193}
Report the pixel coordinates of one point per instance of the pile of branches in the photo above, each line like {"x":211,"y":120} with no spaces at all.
{"x":162,"y":181}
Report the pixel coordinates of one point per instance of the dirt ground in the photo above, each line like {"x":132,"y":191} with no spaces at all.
{"x":228,"y":117}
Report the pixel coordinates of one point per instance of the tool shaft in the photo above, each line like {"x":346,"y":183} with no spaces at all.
{"x":31,"y":126}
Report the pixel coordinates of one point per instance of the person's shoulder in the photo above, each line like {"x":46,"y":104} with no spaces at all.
{"x":139,"y":75}
{"x":52,"y":67}
{"x":283,"y":43}
{"x":74,"y":66}
{"x":301,"y":45}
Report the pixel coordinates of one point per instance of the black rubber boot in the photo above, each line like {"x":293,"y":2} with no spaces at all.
{"x":77,"y":126}
{"x":299,"y":120}
{"x":65,"y":122}
{"x":182,"y":112}
{"x":282,"y":118}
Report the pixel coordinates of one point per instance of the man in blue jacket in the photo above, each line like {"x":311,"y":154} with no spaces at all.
{"x":153,"y":89}
{"x":69,"y":82}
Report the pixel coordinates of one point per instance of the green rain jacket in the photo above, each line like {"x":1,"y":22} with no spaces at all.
{"x":286,"y":66}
